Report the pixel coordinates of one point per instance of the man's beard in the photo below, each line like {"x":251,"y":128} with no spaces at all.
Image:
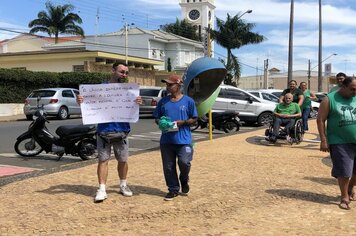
{"x":121,"y":80}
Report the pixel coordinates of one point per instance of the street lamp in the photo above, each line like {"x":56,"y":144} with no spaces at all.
{"x":248,"y":12}
{"x":319,"y":65}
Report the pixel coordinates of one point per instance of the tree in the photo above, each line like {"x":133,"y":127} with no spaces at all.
{"x":233,"y":34}
{"x":57,"y":20}
{"x":182,"y":28}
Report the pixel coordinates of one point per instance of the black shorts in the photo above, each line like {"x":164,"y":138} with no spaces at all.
{"x":343,"y":158}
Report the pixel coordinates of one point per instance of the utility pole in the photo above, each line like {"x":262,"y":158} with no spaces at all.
{"x":320,"y":69}
{"x":309,"y":74}
{"x":290,"y":51}
{"x":265,"y":74}
{"x":126,"y":44}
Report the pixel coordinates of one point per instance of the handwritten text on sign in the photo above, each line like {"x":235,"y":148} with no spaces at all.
{"x":113,"y":102}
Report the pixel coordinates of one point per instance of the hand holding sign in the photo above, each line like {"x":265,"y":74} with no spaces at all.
{"x":113,"y":102}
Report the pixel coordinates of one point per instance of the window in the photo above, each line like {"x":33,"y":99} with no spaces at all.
{"x":187,"y":57}
{"x":149,"y":92}
{"x":76,"y":92}
{"x":269,"y":97}
{"x":67,"y":94}
{"x":42,"y":93}
{"x":236,"y":94}
{"x":78,"y":68}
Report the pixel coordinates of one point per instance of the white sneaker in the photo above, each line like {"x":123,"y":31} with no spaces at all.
{"x":289,"y":139}
{"x":126,"y":191}
{"x":100,"y":196}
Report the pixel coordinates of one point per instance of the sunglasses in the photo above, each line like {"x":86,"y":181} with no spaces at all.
{"x":124,"y":72}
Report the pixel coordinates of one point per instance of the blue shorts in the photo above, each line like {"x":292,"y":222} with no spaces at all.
{"x":343,"y":158}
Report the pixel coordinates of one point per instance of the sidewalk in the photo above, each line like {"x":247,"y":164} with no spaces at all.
{"x":13,"y":118}
{"x":240,"y":185}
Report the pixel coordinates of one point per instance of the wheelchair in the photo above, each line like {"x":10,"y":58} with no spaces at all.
{"x":296,"y":132}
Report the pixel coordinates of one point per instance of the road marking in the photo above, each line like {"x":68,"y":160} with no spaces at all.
{"x":6,"y":170}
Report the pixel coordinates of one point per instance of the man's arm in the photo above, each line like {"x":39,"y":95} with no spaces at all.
{"x":313,"y":96}
{"x":323,"y":113}
{"x":80,"y":99}
{"x":300,"y":100}
{"x":188,"y":122}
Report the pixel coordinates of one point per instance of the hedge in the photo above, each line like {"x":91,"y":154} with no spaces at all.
{"x":16,"y":85}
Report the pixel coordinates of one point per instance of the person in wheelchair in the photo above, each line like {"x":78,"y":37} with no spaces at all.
{"x":286,"y":114}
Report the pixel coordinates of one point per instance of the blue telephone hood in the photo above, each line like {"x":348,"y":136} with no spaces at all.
{"x":202,"y":77}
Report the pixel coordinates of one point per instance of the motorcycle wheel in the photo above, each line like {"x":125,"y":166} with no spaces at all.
{"x":27,"y":147}
{"x":194,"y":126}
{"x":231,"y":125}
{"x":87,"y":149}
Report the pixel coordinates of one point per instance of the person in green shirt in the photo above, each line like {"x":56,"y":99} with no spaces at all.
{"x":306,"y":106}
{"x":338,"y":110}
{"x":295,"y":91}
{"x":285,"y":115}
{"x":339,"y":78}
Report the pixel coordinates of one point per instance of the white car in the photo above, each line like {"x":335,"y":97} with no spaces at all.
{"x":278,"y":92}
{"x":251,"y":109}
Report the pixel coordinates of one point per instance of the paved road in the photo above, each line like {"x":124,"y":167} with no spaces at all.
{"x":144,"y":136}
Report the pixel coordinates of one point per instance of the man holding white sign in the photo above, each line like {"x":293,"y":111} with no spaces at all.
{"x":111,"y":106}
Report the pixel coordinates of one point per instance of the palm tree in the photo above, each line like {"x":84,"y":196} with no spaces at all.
{"x":57,"y":20}
{"x":182,"y":28}
{"x":233,"y":34}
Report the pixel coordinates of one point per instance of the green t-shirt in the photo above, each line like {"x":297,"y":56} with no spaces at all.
{"x":290,"y":109}
{"x":335,"y":88}
{"x":307,"y":100}
{"x":341,"y":121}
{"x":295,"y":93}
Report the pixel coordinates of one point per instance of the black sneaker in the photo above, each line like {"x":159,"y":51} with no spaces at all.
{"x":271,"y":139}
{"x":185,"y":188}
{"x":170,"y":196}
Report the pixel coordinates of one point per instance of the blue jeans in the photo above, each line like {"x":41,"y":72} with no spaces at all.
{"x":305,"y":117}
{"x":169,"y":153}
{"x":288,"y":123}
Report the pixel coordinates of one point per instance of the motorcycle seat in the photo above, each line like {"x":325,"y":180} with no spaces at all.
{"x":74,"y":129}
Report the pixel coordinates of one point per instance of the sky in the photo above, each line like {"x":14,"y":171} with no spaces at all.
{"x":271,"y":19}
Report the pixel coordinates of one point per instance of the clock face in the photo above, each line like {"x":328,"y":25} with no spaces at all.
{"x":194,"y":14}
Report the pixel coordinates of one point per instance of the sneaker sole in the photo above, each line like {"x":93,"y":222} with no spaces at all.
{"x":168,"y":199}
{"x":126,"y":195}
{"x":99,"y":200}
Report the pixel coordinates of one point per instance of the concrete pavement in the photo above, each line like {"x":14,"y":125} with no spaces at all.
{"x":240,"y":185}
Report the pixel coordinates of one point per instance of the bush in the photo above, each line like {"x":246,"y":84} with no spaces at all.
{"x":16,"y":85}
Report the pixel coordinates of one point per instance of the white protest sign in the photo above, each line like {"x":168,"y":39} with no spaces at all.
{"x":113,"y":102}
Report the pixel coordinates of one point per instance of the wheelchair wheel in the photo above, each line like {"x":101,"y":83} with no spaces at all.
{"x":298,"y":131}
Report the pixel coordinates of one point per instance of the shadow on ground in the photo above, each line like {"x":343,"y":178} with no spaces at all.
{"x":90,"y":190}
{"x":304,"y":195}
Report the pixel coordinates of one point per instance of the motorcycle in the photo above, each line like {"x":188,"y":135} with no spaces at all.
{"x":226,"y":121}
{"x":76,"y":140}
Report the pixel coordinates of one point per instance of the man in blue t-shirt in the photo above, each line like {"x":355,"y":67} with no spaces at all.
{"x":120,"y":72}
{"x":177,"y":142}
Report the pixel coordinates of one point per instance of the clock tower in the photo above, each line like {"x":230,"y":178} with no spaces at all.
{"x":199,"y":12}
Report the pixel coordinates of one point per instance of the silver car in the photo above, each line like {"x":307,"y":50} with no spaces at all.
{"x":60,"y":102}
{"x":251,"y":109}
{"x":150,"y":97}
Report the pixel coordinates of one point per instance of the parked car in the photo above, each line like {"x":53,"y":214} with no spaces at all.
{"x":150,"y":97}
{"x":60,"y":102}
{"x":320,"y":96}
{"x":278,"y":92}
{"x":264,"y":95}
{"x":251,"y":109}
